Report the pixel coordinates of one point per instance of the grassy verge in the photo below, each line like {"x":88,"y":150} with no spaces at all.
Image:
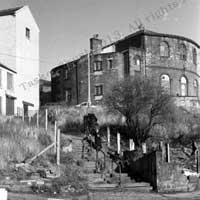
{"x":19,"y":141}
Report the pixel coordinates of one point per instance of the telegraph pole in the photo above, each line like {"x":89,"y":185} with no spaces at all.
{"x":89,"y":84}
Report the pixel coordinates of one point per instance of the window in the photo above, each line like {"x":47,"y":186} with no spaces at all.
{"x":98,"y":66}
{"x":126,"y":64}
{"x":68,"y":95}
{"x":164,"y":49}
{"x":28,"y":33}
{"x":10,"y":85}
{"x":137,"y":62}
{"x":98,"y":90}
{"x":184,"y":86}
{"x":110,"y":63}
{"x":183,"y":52}
{"x":194,"y":56}
{"x":165,"y":83}
{"x":196,"y":88}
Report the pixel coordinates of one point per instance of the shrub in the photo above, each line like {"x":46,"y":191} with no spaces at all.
{"x":67,"y":158}
{"x":72,"y":176}
{"x":44,"y":139}
{"x":80,"y":163}
{"x":70,"y":119}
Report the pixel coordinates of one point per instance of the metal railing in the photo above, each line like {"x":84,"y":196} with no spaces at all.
{"x":118,"y":161}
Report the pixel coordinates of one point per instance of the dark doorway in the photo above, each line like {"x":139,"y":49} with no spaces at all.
{"x":25,"y":110}
{"x":10,"y":102}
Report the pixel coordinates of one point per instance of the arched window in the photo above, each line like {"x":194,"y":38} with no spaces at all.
{"x":196,"y":88}
{"x":184,"y":86}
{"x":164,"y":49}
{"x":137,"y":62}
{"x":194,"y":56}
{"x":165,"y":83}
{"x":183,"y":52}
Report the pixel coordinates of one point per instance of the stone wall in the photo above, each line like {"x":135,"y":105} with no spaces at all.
{"x":145,"y":169}
{"x":163,"y":176}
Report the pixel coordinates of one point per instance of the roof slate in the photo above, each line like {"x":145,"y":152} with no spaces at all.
{"x":10,"y":11}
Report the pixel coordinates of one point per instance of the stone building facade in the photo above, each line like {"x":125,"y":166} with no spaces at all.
{"x":170,"y":59}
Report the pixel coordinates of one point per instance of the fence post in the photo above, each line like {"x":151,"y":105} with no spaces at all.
{"x":23,"y":114}
{"x":118,"y":143}
{"x":46,"y":119}
{"x":29,"y":119}
{"x":58,"y":147}
{"x":131,"y":145}
{"x":55,"y":135}
{"x":108,"y":135}
{"x":37,"y":118}
{"x":197,"y":159}
{"x":167,"y":153}
{"x":3,"y":194}
{"x":144,"y":148}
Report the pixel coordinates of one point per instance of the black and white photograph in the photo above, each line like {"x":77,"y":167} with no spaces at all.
{"x":99,"y":100}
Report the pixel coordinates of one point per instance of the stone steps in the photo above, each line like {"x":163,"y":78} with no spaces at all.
{"x":90,"y":163}
{"x":94,"y":178}
{"x":76,"y":144}
{"x":105,"y":182}
{"x":122,"y":180}
{"x":139,"y":187}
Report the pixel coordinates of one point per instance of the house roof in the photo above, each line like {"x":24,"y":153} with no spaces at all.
{"x":152,"y":33}
{"x":138,"y":33}
{"x":10,"y":11}
{"x":66,"y":64}
{"x":7,"y":68}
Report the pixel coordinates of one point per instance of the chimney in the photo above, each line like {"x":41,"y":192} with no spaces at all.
{"x":95,"y":44}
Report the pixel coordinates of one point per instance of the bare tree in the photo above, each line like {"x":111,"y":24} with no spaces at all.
{"x":186,"y":127}
{"x":144,"y":104}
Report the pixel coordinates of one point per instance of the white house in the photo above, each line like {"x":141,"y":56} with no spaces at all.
{"x":19,"y":61}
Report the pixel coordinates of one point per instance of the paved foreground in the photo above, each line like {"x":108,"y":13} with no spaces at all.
{"x":113,"y":196}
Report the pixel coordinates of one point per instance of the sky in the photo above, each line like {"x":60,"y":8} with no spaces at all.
{"x":66,"y":25}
